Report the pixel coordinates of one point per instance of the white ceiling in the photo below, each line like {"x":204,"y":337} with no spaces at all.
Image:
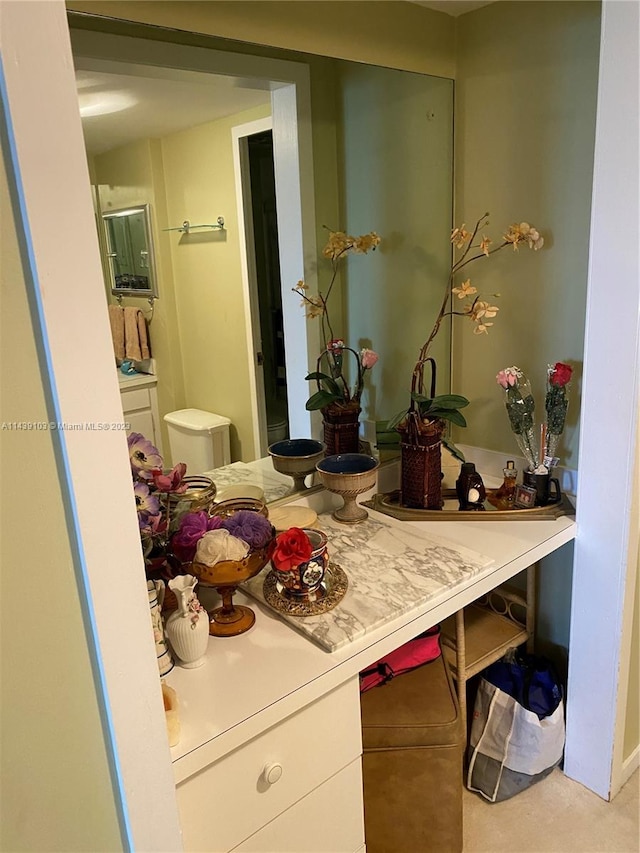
{"x":120,"y":108}
{"x":453,"y":7}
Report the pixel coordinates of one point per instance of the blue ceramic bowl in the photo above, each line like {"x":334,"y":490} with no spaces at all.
{"x":296,"y":457}
{"x":296,"y":447}
{"x":347,"y":463}
{"x":348,"y":475}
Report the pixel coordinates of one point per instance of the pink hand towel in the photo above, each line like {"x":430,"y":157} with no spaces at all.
{"x":132,"y":348}
{"x":143,"y":336}
{"x":116,"y":319}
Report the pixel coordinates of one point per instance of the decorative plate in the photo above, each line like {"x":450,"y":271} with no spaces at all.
{"x":334,"y":587}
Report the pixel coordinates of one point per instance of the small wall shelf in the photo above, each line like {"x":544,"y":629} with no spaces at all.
{"x":186,"y":226}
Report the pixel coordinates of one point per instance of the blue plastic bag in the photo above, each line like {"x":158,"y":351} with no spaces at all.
{"x":531,"y":680}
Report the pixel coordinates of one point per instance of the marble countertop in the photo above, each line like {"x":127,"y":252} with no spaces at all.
{"x":392,"y":569}
{"x":259,"y":473}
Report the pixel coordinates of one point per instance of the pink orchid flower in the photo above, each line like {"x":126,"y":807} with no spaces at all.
{"x":171,"y":482}
{"x":507,"y":377}
{"x":368,"y":358}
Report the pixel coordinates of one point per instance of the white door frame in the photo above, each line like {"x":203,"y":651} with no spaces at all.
{"x":39,"y":91}
{"x":240,"y":134}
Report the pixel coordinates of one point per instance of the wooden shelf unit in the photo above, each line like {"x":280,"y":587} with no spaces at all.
{"x":482,"y":632}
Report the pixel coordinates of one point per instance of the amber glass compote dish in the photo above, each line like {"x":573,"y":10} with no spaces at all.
{"x":225,"y":577}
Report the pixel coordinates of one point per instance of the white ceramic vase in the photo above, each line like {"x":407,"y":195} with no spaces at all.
{"x":188,"y":626}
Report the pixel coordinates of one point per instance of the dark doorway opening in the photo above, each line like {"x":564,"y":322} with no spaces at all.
{"x":265,"y":230}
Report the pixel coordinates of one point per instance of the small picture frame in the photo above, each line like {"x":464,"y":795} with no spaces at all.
{"x":525,"y":497}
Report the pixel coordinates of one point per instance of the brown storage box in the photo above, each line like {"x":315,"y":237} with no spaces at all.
{"x":412,"y":763}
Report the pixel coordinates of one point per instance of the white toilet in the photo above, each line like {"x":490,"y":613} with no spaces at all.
{"x":199,"y":439}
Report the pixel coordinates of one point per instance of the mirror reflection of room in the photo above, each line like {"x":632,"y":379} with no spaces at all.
{"x":209,"y":351}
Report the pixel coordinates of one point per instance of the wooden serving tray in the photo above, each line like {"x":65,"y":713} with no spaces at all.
{"x":389,"y":504}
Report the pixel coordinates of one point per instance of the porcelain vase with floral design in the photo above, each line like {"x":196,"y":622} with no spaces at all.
{"x":188,"y":626}
{"x":155,"y":591}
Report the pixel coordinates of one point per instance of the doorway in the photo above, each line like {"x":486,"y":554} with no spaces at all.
{"x":267,"y":283}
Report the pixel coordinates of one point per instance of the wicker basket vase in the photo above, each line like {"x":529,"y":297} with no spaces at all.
{"x":341,"y":429}
{"x":421,"y":463}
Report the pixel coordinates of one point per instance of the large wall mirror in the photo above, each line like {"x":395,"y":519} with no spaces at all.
{"x":382,"y":160}
{"x":129,"y":251}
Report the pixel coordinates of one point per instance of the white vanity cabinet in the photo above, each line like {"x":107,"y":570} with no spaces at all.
{"x":270,"y":749}
{"x":139,"y":398}
{"x":295,"y":787}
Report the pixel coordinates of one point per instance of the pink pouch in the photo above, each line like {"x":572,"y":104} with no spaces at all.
{"x":422,"y":649}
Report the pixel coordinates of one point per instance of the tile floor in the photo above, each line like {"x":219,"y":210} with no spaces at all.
{"x":557,"y":815}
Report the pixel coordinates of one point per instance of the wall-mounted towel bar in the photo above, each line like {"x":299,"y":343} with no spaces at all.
{"x":186,"y":226}
{"x":150,"y":299}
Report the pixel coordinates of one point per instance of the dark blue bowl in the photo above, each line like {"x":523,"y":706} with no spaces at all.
{"x":347,"y":463}
{"x":296,"y":447}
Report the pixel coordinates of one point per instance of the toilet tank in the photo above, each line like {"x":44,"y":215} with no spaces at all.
{"x":199,"y":439}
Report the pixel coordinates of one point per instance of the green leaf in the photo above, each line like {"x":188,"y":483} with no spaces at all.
{"x":395,"y":420}
{"x":320,"y":399}
{"x":317,"y":375}
{"x":453,"y":449}
{"x":450,"y":401}
{"x":327,"y":382}
{"x":452,"y":415}
{"x":420,"y":398}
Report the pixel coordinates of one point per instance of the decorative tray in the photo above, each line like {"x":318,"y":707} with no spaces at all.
{"x":389,"y":504}
{"x":334,"y":587}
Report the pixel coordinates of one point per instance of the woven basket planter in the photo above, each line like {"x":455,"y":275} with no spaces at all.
{"x":341,"y":429}
{"x":421,"y":463}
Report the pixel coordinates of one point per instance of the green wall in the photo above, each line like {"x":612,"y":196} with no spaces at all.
{"x":200,"y":186}
{"x":525,"y":129}
{"x":56,"y":792}
{"x":525,"y":111}
{"x":396,"y":161}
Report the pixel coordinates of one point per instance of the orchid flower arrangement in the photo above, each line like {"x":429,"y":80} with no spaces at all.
{"x":520,"y":407}
{"x":333,"y":386}
{"x":472,"y":245}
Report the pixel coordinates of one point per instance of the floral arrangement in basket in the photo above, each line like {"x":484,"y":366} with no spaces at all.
{"x":333,"y":387}
{"x":429,"y":414}
{"x":540,"y":455}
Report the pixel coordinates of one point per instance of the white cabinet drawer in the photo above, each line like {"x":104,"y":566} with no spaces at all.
{"x":231,"y":799}
{"x":135,"y":398}
{"x":330,"y":818}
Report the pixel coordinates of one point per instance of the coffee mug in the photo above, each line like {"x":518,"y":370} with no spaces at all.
{"x":542,"y":484}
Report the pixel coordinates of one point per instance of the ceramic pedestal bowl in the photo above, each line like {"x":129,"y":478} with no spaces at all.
{"x":348,"y":475}
{"x":297,"y":458}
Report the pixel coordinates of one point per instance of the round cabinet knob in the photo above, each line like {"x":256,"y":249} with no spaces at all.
{"x":272,"y":772}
